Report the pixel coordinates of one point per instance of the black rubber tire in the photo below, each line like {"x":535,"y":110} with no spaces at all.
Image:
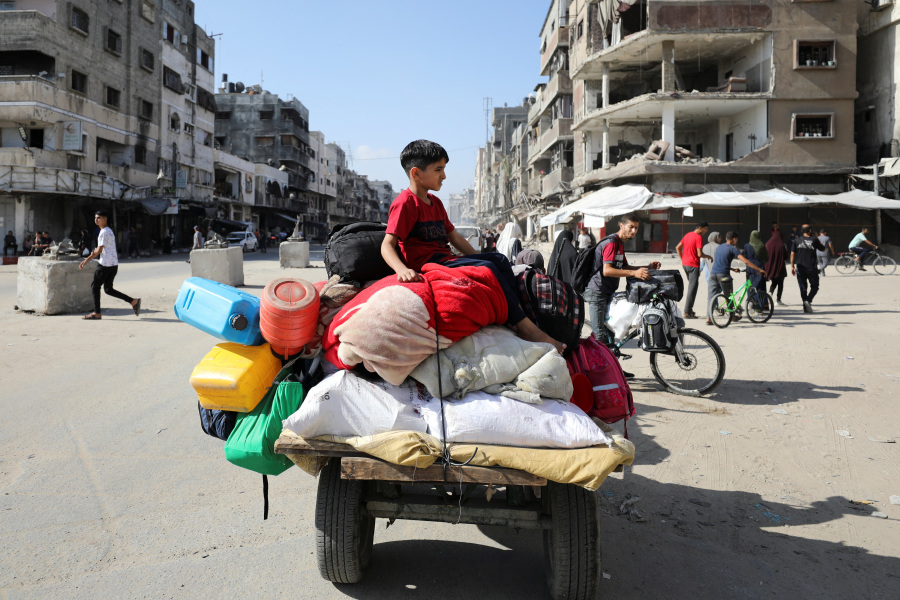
{"x":884,"y":265}
{"x":692,"y":389}
{"x":766,"y":306}
{"x":845,"y":265}
{"x":720,"y":318}
{"x":344,"y":530}
{"x":572,"y":546}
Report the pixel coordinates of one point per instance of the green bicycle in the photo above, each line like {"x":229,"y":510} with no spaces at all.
{"x":759,"y":305}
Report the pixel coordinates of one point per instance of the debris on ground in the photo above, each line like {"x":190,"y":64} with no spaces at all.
{"x":846,"y":434}
{"x":880,"y":515}
{"x":895,"y":499}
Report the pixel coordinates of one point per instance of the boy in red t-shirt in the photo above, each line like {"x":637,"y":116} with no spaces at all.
{"x":690,"y":249}
{"x":419,"y":232}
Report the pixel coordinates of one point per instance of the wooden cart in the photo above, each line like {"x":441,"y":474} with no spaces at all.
{"x":355,"y":489}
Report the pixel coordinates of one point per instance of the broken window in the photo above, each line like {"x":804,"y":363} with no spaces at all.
{"x":224,"y":115}
{"x":140,"y":155}
{"x":266,"y":115}
{"x":146,"y":110}
{"x":206,"y":100}
{"x":188,"y":129}
{"x":170,"y":33}
{"x":265,"y":140}
{"x":206,"y":138}
{"x":204,"y":60}
{"x":175,"y":122}
{"x":7,"y":6}
{"x":813,"y":126}
{"x":80,"y":20}
{"x":147,"y":59}
{"x":113,"y":97}
{"x":36,"y":138}
{"x":78,"y":82}
{"x":113,"y":42}
{"x":172,"y":80}
{"x":580,"y":29}
{"x":814,"y":54}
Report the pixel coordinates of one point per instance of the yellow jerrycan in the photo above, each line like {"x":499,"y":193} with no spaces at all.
{"x":234,"y":377}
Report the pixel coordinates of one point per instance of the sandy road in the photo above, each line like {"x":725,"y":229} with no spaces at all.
{"x":108,"y":488}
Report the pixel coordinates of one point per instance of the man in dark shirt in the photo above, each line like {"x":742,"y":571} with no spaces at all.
{"x":804,"y":265}
{"x":9,"y":243}
{"x":610,"y":265}
{"x":720,"y":280}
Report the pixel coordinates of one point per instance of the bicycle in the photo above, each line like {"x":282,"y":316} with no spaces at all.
{"x":759,"y":305}
{"x":846,"y":262}
{"x":694,"y":366}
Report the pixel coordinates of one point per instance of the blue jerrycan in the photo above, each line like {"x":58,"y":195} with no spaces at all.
{"x":220,"y":310}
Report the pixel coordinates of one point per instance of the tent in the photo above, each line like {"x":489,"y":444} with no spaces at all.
{"x":603,"y":203}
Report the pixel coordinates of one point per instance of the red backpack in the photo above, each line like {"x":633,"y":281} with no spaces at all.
{"x":612,"y":399}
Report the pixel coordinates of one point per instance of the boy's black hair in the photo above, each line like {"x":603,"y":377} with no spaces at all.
{"x":731,"y":235}
{"x":806,"y":229}
{"x":702,"y":224}
{"x":101,"y":213}
{"x":629,"y":218}
{"x":420,"y":154}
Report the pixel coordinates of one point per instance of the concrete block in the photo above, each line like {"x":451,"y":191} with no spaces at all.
{"x":225,"y":265}
{"x":293,"y":255}
{"x":54,"y":287}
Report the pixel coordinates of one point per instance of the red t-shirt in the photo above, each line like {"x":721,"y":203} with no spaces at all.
{"x":422,"y":229}
{"x":691,"y":242}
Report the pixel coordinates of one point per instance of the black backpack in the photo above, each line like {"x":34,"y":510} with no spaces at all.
{"x":667,"y":283}
{"x":354,"y":253}
{"x":553,"y":305}
{"x":584,"y":265}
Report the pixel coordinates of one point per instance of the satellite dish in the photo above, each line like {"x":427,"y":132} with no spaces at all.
{"x":238,"y":87}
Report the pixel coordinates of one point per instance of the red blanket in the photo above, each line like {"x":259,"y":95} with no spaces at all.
{"x":390,"y":326}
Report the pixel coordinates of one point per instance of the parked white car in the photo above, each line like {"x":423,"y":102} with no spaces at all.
{"x":245,"y":239}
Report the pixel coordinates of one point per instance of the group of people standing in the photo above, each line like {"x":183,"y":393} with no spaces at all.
{"x":766,"y":263}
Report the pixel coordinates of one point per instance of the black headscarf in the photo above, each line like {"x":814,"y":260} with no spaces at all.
{"x":562,"y":259}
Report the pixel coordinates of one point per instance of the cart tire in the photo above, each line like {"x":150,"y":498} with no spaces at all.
{"x":572,"y":545}
{"x":344,"y":530}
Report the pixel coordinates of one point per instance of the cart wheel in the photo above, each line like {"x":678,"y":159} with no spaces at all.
{"x":572,"y":545}
{"x":344,"y":530}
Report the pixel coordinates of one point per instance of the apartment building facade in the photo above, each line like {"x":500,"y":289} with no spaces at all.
{"x":263,"y":128}
{"x":499,"y":173}
{"x":79,"y":114}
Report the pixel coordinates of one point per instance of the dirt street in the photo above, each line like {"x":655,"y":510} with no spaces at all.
{"x":770,"y":488}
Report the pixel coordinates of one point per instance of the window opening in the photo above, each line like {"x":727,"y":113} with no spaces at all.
{"x":79,"y":82}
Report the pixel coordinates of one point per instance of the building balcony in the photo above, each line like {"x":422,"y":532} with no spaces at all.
{"x":535,"y":186}
{"x":289,"y":154}
{"x":24,"y":29}
{"x":559,"y":130}
{"x":31,"y":179}
{"x":559,"y":39}
{"x":557,"y":181}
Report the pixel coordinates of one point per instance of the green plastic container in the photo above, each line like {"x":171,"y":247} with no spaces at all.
{"x":252,"y":443}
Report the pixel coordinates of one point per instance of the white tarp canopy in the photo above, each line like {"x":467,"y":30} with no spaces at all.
{"x":854,"y":198}
{"x":603,"y":203}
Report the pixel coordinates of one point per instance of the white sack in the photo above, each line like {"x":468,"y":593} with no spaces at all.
{"x":621,"y":316}
{"x":481,"y":418}
{"x":495,"y":355}
{"x":347,"y":405}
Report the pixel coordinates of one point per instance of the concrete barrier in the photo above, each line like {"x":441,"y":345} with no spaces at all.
{"x":54,"y":287}
{"x":293,"y":255}
{"x":225,"y":265}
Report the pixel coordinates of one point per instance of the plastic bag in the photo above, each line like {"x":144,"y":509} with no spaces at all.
{"x":622,"y":315}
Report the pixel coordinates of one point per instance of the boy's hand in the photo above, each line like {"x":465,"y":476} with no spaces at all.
{"x":408,"y":276}
{"x":655,"y":265}
{"x":642,"y":273}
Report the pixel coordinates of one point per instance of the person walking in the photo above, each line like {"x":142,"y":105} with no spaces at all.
{"x":584,"y":240}
{"x":803,"y":265}
{"x":775,"y":270}
{"x":756,"y":253}
{"x":109,"y":267}
{"x":562,"y":258}
{"x":856,"y":245}
{"x":822,"y":256}
{"x":10,"y":243}
{"x":720,"y":280}
{"x":133,"y":250}
{"x":690,"y":249}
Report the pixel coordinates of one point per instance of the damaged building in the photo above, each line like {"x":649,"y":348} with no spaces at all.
{"x":686,"y":97}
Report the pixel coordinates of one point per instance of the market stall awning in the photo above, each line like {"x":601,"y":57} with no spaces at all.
{"x":603,"y":203}
{"x":854,"y":198}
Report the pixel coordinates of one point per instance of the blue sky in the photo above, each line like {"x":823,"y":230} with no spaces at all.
{"x":378,"y":74}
